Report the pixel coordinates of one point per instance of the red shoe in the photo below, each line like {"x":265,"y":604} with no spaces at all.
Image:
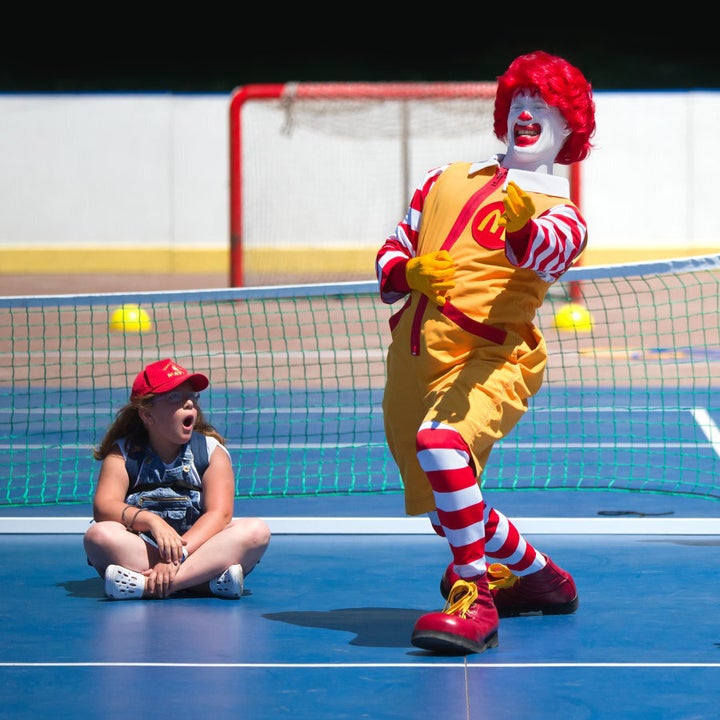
{"x":467,"y":624}
{"x":550,"y":591}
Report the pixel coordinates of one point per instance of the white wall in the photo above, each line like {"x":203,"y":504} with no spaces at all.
{"x":87,"y":174}
{"x":150,"y":173}
{"x":98,"y":170}
{"x":649,"y":184}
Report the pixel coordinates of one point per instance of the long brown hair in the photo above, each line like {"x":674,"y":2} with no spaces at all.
{"x":128,"y":424}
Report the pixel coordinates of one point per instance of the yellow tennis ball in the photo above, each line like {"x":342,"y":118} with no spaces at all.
{"x":573,"y":317}
{"x":130,"y":318}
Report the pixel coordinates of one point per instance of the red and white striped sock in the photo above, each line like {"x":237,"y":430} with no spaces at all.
{"x":470,"y":527}
{"x":444,"y":456}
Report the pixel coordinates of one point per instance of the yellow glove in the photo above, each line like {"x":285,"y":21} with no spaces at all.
{"x":431,"y":274}
{"x":519,"y":208}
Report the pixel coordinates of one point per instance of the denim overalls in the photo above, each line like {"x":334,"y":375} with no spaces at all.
{"x":174,"y":493}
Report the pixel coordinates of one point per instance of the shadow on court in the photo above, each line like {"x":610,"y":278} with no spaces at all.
{"x":373,"y":627}
{"x":89,"y":588}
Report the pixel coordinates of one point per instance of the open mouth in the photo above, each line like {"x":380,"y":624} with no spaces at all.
{"x":525,"y":135}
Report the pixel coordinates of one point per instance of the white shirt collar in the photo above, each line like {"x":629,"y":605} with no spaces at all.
{"x":539,"y":182}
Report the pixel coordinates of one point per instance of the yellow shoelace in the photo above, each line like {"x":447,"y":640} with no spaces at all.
{"x":499,"y":576}
{"x":461,"y":598}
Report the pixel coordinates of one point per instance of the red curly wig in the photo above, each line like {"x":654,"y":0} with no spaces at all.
{"x":560,"y":85}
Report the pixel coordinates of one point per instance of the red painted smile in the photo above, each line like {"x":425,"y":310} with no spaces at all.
{"x":526,"y":135}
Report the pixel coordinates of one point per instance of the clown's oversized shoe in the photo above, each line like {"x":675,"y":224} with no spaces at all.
{"x":467,"y":624}
{"x":550,"y":591}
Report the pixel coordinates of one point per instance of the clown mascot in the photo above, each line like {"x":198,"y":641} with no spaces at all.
{"x":474,"y":257}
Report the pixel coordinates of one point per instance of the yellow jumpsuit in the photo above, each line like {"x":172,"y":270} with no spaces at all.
{"x":474,"y":362}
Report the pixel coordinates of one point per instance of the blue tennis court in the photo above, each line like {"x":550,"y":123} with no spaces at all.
{"x":324,"y":628}
{"x":613,"y":473}
{"x":323,"y":631}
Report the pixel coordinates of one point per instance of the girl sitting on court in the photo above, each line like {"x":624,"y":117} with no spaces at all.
{"x":163,"y":507}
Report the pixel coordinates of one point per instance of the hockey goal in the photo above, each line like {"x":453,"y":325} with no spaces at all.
{"x":320,"y":173}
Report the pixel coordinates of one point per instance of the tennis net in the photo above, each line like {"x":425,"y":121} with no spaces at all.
{"x":630,"y":399}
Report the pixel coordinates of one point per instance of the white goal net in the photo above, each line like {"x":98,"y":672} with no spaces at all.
{"x":322,"y":172}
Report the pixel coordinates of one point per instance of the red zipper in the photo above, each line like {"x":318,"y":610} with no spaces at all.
{"x":458,"y":226}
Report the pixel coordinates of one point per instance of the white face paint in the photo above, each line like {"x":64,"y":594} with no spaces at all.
{"x":536,"y":132}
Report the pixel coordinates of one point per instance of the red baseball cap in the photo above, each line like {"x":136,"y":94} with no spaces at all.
{"x":163,"y":376}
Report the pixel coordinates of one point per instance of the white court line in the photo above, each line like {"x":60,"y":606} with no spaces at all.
{"x":708,"y":427}
{"x":409,"y":525}
{"x":462,"y":663}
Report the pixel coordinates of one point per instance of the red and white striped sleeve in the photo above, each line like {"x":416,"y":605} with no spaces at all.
{"x":550,"y":243}
{"x":401,"y":244}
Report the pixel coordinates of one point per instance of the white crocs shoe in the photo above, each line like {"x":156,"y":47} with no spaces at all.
{"x":228,"y":585}
{"x":123,"y":584}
